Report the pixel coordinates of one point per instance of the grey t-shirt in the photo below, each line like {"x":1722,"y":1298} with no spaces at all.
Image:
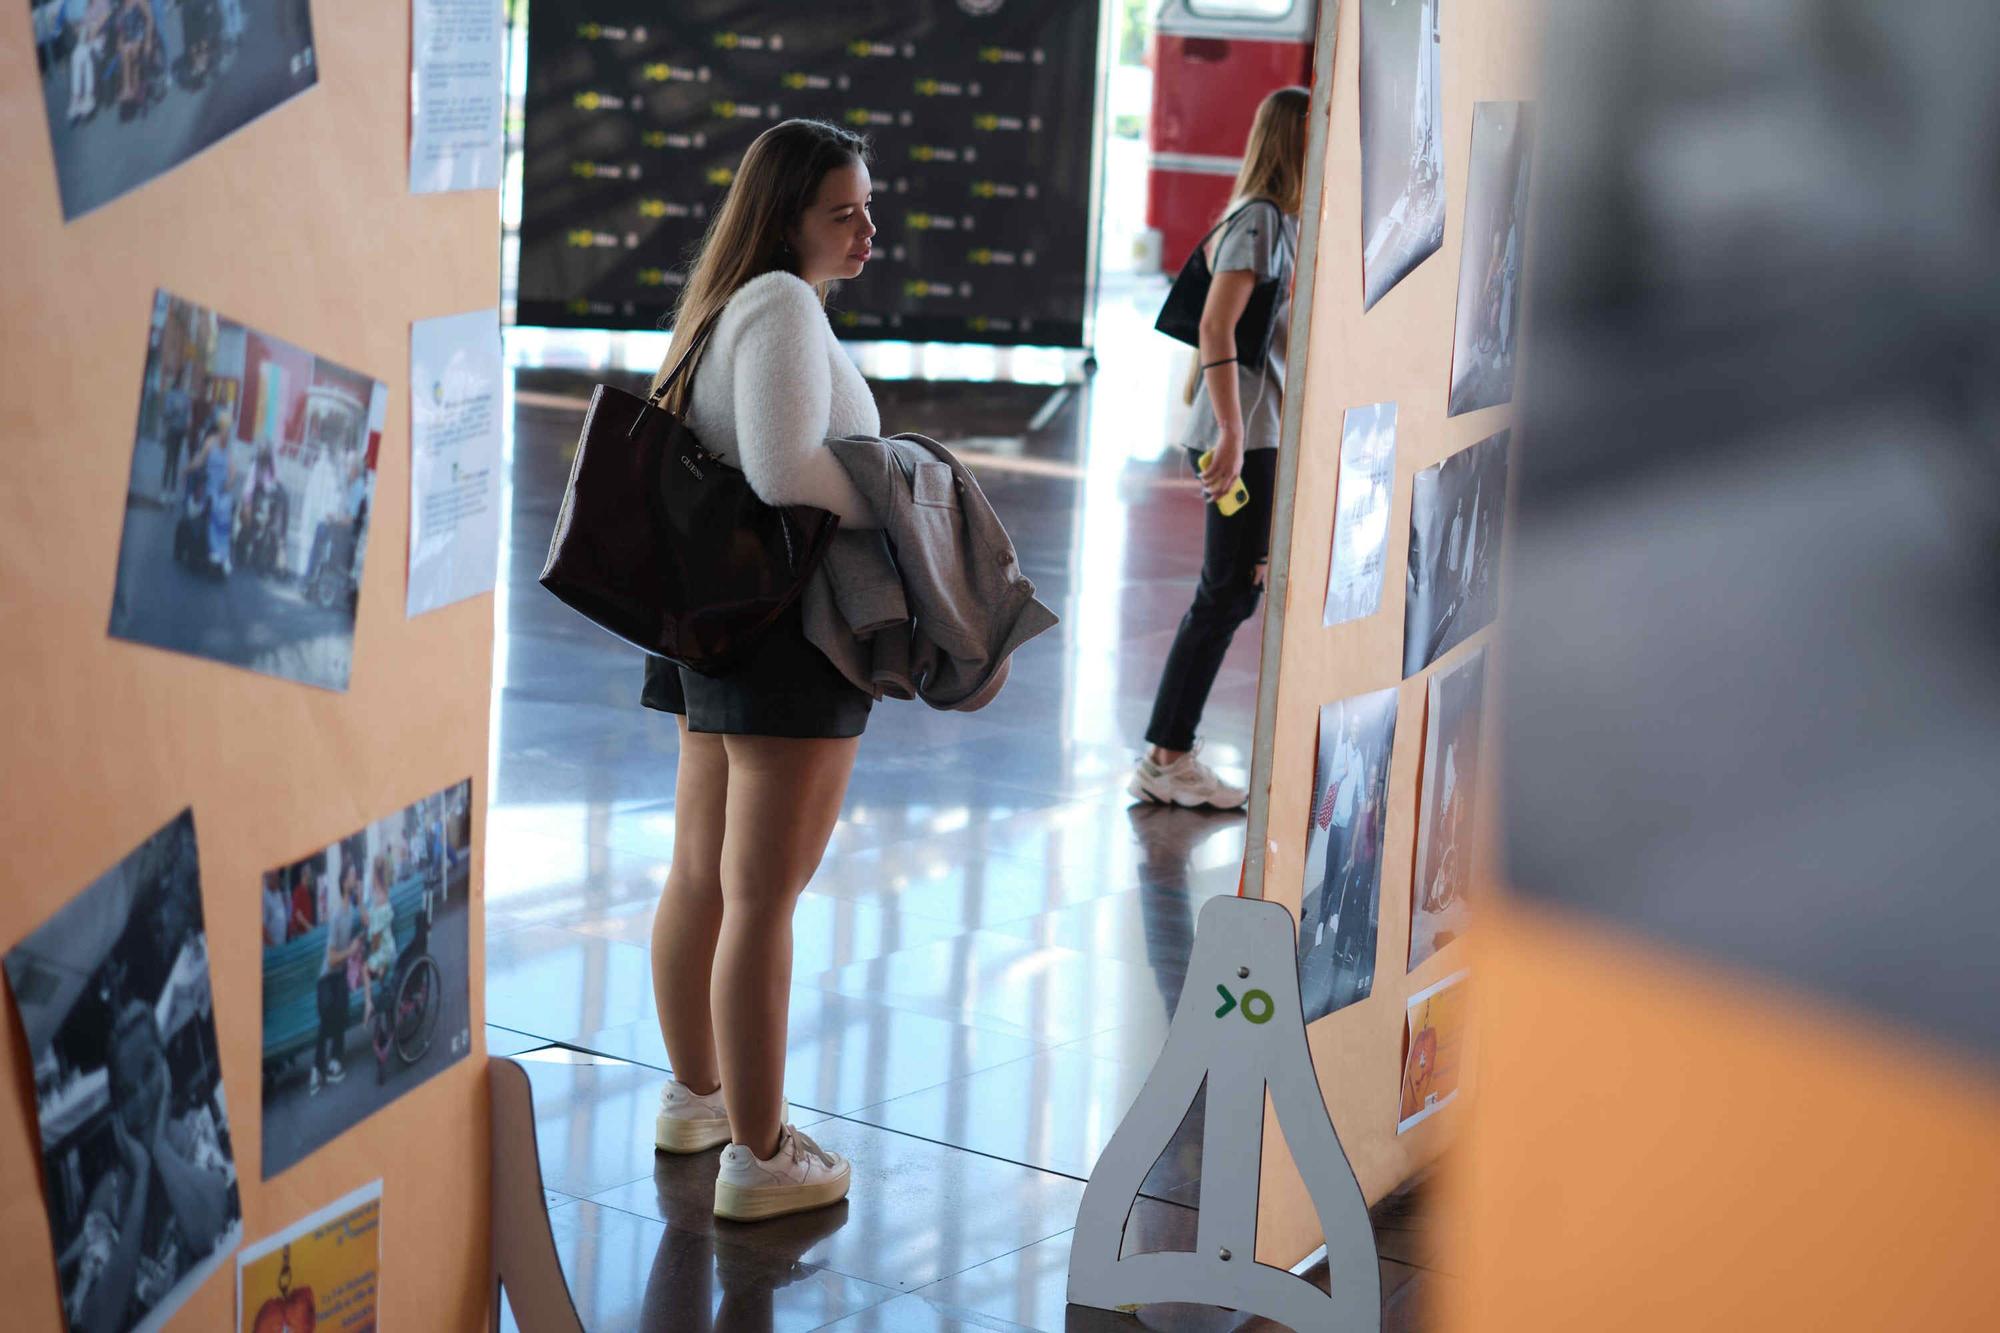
{"x":1251,"y":242}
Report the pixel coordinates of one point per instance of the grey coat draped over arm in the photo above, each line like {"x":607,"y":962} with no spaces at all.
{"x":933,"y":604}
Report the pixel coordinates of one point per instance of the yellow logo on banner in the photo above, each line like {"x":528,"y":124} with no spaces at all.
{"x":590,"y":32}
{"x":587,"y":101}
{"x":582,"y":238}
{"x":652,"y":208}
{"x":917,"y":221}
{"x":587,"y":170}
{"x":728,"y":41}
{"x":858,"y":116}
{"x":981,"y":256}
{"x":721,"y":175}
{"x":658,"y":71}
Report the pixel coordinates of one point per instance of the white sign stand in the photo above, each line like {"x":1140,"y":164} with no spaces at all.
{"x":1239,"y":1026}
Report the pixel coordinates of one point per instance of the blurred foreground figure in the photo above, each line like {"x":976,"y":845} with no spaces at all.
{"x":1751,"y":700}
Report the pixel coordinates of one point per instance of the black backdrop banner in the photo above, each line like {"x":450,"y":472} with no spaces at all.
{"x":981,"y":113}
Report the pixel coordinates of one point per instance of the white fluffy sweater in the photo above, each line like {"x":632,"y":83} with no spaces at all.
{"x":772,"y":387}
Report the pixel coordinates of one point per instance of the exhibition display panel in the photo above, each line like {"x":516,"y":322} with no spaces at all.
{"x":1367,"y":811}
{"x":243,"y":914}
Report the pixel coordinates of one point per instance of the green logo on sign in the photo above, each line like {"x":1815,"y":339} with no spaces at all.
{"x":1258,"y":1007}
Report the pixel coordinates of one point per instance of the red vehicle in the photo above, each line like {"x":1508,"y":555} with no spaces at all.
{"x":1213,"y":61}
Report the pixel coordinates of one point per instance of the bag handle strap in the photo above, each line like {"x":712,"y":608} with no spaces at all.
{"x":687,"y":359}
{"x":1202,"y":244}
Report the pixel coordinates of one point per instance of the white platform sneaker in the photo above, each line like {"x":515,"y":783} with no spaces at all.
{"x":691,"y":1122}
{"x":1186,"y":782}
{"x":801,"y":1175}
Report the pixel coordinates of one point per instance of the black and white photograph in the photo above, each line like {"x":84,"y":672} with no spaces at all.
{"x":133,"y":88}
{"x":1453,"y":584}
{"x":1454,"y":707}
{"x":1489,"y":265}
{"x":366,"y":990}
{"x":1361,"y":513}
{"x":246,"y":517}
{"x":1341,"y":908}
{"x":1402,"y":155}
{"x":138,"y":1173}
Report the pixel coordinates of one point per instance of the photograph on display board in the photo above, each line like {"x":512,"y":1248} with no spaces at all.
{"x":246,"y":518}
{"x":138,"y":1173}
{"x":319,"y":1273}
{"x":133,"y":88}
{"x":1340,"y":909}
{"x":1402,"y":153}
{"x":1445,"y":820}
{"x":1489,"y":265}
{"x":1361,"y":513}
{"x":1434,"y":1034}
{"x":1453,"y":585}
{"x":366,"y":990}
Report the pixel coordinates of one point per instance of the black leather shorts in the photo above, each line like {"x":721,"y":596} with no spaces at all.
{"x":786,"y":687}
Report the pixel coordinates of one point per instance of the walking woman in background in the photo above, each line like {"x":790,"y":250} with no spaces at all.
{"x":1236,"y":416}
{"x":766,"y":751}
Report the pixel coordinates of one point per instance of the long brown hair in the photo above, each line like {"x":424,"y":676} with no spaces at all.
{"x":774,"y":185}
{"x":1274,"y":168}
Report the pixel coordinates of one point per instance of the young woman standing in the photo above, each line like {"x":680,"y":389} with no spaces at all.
{"x":766,"y":750}
{"x":1236,"y":416}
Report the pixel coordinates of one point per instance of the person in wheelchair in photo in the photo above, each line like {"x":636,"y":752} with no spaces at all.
{"x":402,"y":1019}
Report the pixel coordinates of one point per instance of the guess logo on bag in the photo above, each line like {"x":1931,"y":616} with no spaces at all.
{"x":691,"y":466}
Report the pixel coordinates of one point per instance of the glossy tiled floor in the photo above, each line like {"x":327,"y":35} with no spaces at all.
{"x":986,"y":963}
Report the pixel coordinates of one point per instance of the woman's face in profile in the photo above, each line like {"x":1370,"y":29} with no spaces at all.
{"x":833,"y":238}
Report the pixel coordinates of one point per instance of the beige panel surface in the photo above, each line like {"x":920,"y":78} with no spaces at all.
{"x":298,"y":225}
{"x":1399,"y":352}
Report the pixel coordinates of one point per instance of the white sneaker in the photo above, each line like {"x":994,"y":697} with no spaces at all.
{"x":690,"y":1122}
{"x":1187,"y":782}
{"x":801,"y":1175}
{"x":335,"y":1071}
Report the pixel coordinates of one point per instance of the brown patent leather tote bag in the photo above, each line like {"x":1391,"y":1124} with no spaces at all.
{"x":664,"y":545}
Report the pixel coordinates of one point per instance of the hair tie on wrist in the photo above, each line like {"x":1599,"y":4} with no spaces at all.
{"x":1213,"y":364}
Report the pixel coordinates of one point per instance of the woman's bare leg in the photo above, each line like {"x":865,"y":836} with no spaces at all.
{"x":784,"y":800}
{"x":690,"y":911}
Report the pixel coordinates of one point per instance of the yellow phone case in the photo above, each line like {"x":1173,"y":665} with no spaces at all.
{"x":1239,"y":494}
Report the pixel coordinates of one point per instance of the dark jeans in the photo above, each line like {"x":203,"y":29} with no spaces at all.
{"x":1232,"y":550}
{"x":1332,"y":883}
{"x":332,"y":1020}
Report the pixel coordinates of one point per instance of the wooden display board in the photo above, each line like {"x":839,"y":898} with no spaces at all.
{"x":1400,"y":352}
{"x":300,"y":225}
